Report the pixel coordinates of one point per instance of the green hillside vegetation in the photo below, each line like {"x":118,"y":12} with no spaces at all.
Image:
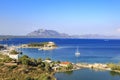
{"x":14,"y":52}
{"x":42,"y":44}
{"x":4,"y":58}
{"x":114,"y":66}
{"x":27,"y":69}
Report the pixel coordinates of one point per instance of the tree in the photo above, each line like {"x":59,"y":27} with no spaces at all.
{"x":24,"y":60}
{"x":58,"y":62}
{"x":70,"y":66}
{"x":33,"y":62}
{"x":39,"y":60}
{"x":48,"y":59}
{"x":42,"y":65}
{"x":47,"y":67}
{"x":24,"y":56}
{"x":14,"y":52}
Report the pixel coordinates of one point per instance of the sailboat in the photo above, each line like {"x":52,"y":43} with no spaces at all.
{"x":77,"y":54}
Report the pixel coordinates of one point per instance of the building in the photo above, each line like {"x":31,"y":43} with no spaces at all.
{"x":47,"y":61}
{"x":7,"y":51}
{"x":64,"y":64}
{"x":56,"y":68}
{"x":50,"y":44}
{"x":14,"y":56}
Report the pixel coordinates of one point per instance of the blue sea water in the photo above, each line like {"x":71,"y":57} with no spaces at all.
{"x":92,"y":50}
{"x":88,"y":74}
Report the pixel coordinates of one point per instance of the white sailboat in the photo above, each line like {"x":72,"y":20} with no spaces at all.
{"x":77,"y":54}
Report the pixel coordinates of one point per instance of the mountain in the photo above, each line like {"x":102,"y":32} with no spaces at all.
{"x":95,"y":36}
{"x":42,"y":33}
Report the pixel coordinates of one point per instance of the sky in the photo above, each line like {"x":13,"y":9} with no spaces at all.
{"x":74,"y":17}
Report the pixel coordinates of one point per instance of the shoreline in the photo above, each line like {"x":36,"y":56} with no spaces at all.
{"x":38,"y":48}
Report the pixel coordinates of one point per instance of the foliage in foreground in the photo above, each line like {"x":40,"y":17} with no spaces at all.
{"x":4,"y":58}
{"x":28,"y":69}
{"x":14,"y":52}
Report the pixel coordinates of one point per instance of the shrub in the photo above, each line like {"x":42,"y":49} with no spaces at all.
{"x":29,"y":78}
{"x":12,"y":67}
{"x":114,"y":66}
{"x":48,"y":59}
{"x":14,"y":52}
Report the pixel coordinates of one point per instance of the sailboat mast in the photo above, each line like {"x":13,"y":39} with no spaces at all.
{"x":77,"y":50}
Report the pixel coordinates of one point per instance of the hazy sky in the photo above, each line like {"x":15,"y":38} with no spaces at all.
{"x":19,"y":17}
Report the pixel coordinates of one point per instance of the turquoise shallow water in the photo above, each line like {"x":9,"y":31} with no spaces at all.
{"x":68,"y":54}
{"x":87,"y":74}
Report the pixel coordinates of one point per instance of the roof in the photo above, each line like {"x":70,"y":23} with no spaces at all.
{"x":66,"y":63}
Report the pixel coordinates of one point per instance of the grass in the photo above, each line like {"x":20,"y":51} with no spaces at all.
{"x":22,"y":72}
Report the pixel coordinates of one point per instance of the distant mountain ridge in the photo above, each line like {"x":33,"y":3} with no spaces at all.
{"x":42,"y":33}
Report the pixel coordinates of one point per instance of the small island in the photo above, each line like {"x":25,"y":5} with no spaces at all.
{"x":41,"y":46}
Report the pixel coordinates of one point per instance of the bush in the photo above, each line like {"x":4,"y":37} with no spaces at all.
{"x":42,"y":65}
{"x":5,"y":58}
{"x":70,"y":66}
{"x":39,"y":60}
{"x":45,"y":77}
{"x":114,"y":66}
{"x":12,"y":67}
{"x":24,"y":60}
{"x":48,"y":59}
{"x":1,"y":64}
{"x":14,"y":52}
{"x":29,"y":78}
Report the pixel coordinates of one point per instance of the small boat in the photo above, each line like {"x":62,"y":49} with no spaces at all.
{"x":77,"y":54}
{"x":40,"y":49}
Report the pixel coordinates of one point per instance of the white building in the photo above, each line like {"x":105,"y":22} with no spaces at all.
{"x":14,"y":56}
{"x":48,"y":61}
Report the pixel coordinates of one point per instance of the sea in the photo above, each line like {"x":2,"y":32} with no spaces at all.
{"x":91,"y":51}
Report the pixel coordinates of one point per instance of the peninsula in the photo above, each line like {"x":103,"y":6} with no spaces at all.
{"x":41,"y":46}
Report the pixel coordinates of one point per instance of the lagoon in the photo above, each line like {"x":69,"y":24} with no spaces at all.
{"x":87,"y":74}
